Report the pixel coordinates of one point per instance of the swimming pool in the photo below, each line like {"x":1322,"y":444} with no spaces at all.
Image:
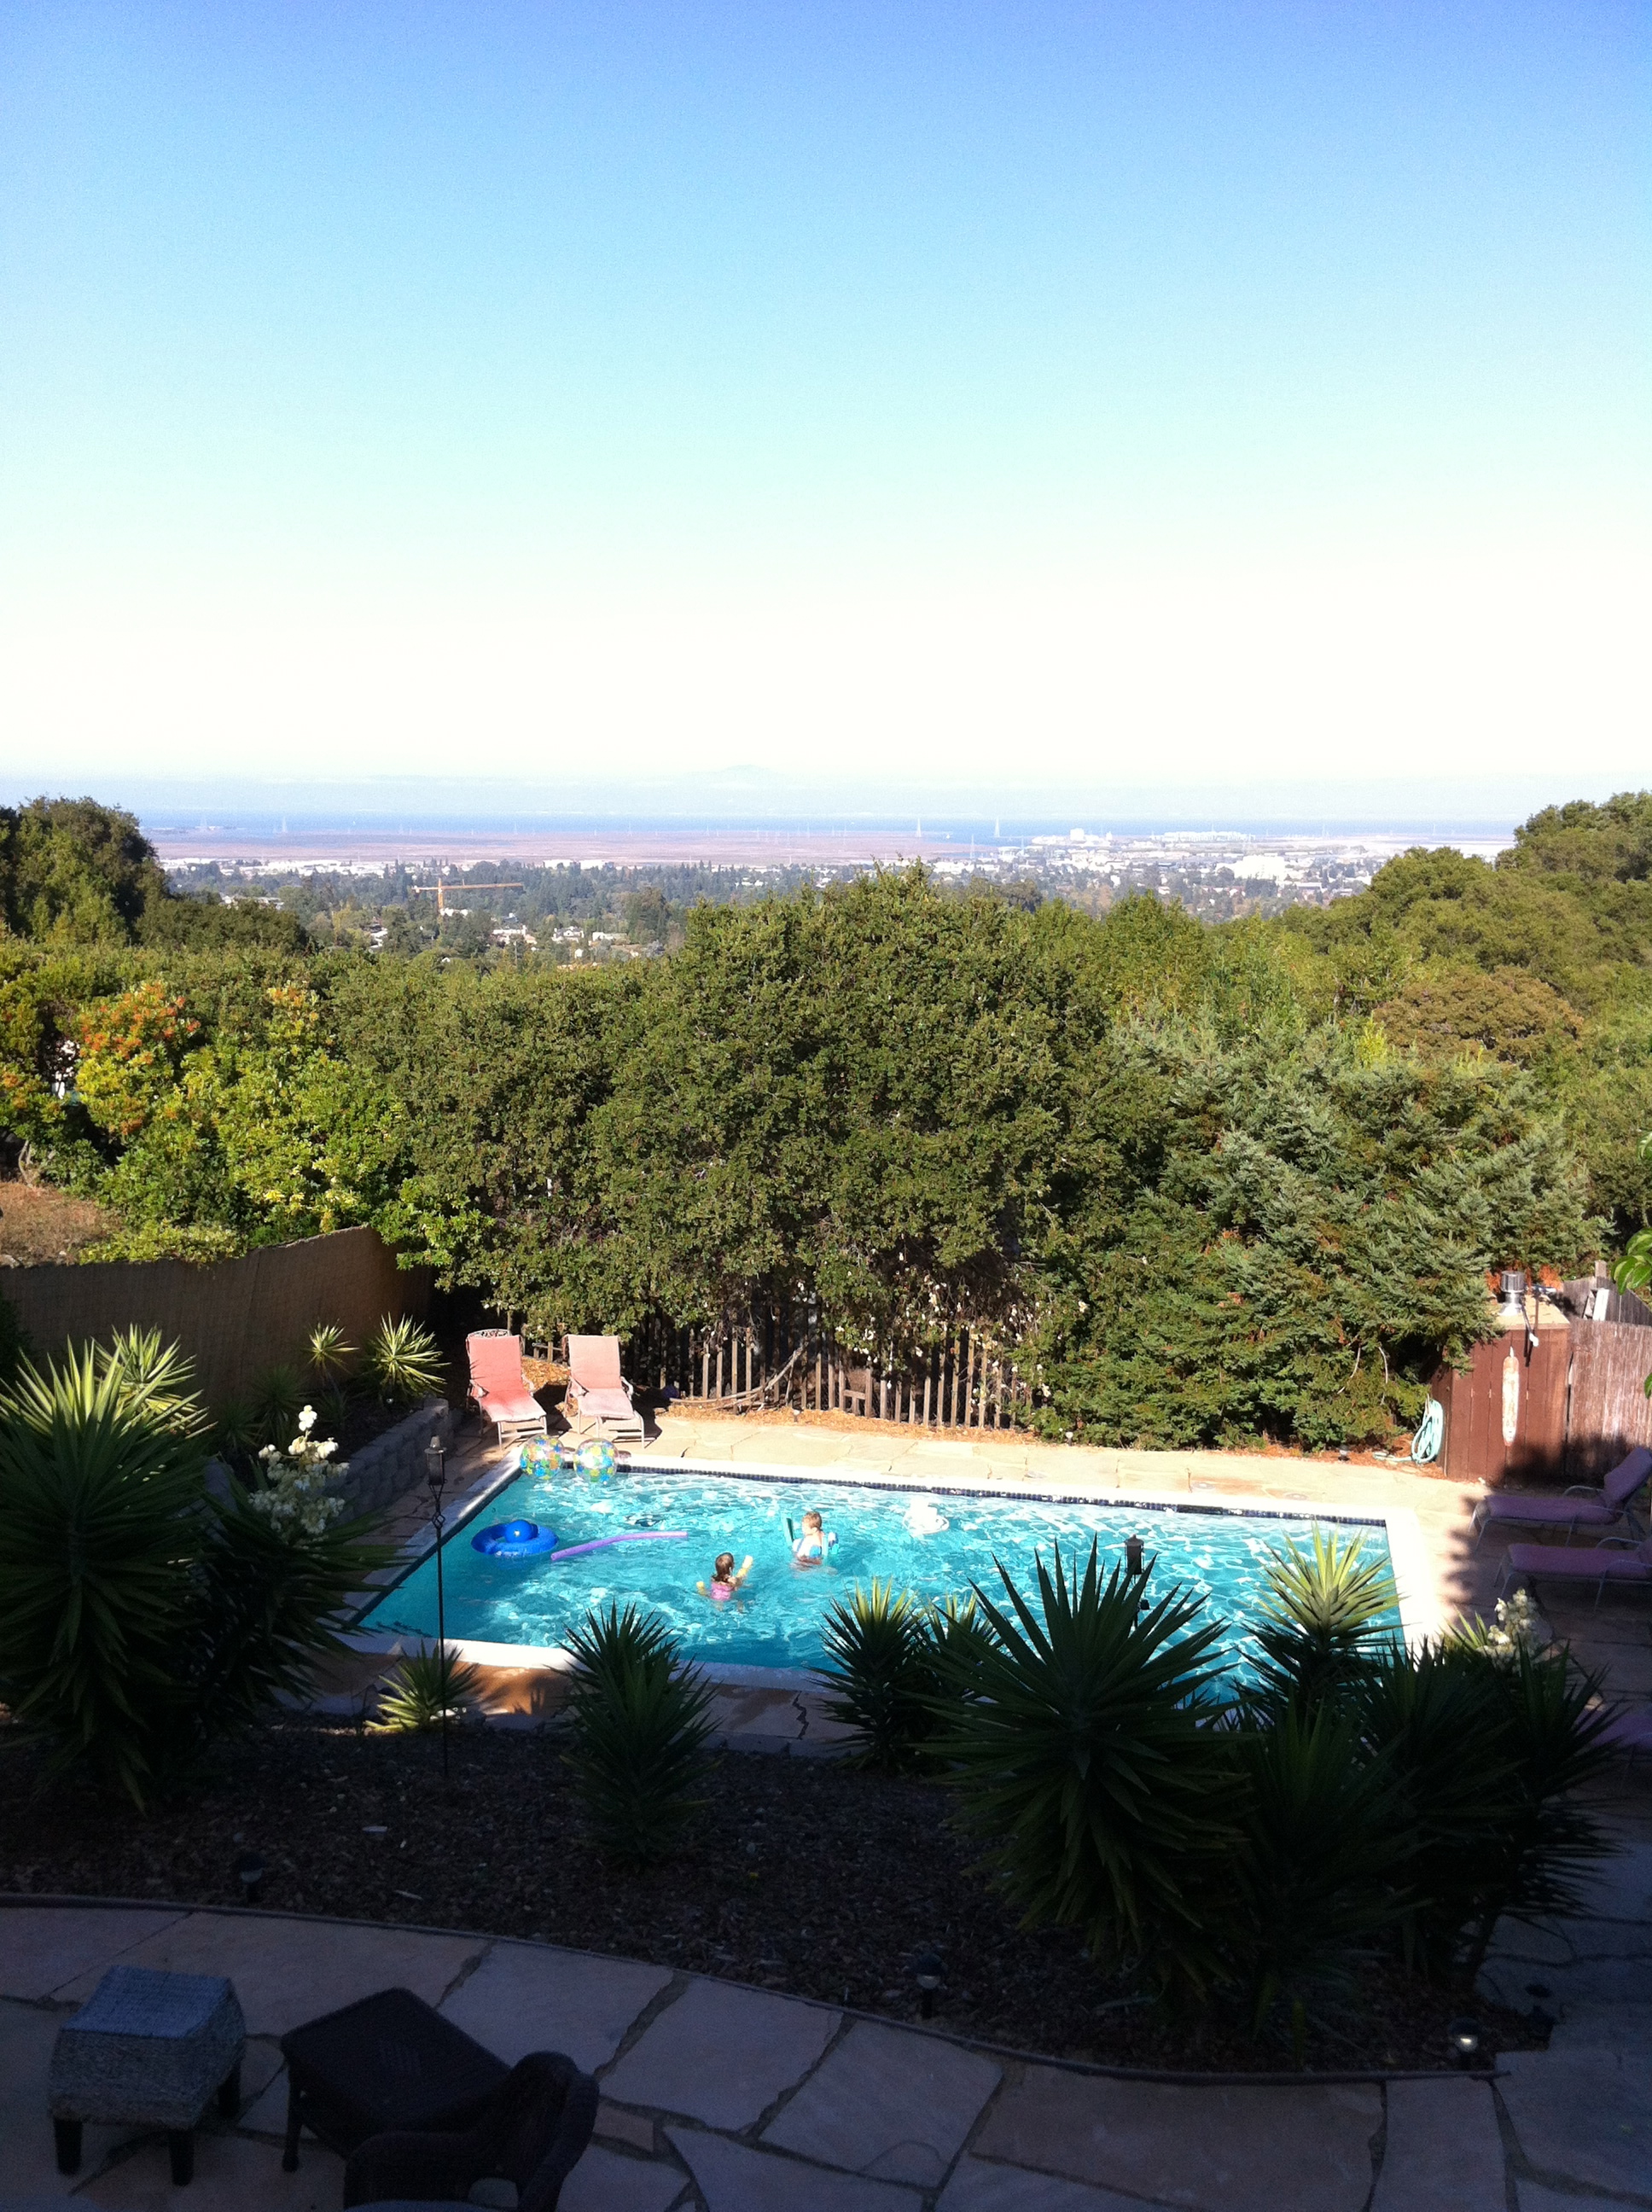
{"x":935,"y":1543}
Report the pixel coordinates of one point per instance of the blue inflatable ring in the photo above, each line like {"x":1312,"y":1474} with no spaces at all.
{"x":515,"y":1540}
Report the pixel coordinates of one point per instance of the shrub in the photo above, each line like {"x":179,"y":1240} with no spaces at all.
{"x":402,"y":1363}
{"x":1080,"y":1742}
{"x":1323,"y":1621}
{"x":426,"y":1684}
{"x":880,"y":1658}
{"x":641,"y":1727}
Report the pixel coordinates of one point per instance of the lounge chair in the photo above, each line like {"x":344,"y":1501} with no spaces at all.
{"x":499,"y":1388}
{"x":1615,"y":1560}
{"x":1582,"y":1507}
{"x":533,"y":2132}
{"x":597,"y":1391}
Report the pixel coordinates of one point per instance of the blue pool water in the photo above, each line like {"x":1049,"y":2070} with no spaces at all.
{"x":774,"y":1621}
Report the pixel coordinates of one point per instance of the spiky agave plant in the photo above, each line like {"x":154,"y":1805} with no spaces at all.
{"x":424,"y":1685}
{"x":1326,"y":1618}
{"x":641,"y":1727}
{"x":880,"y":1662}
{"x":330,"y":1352}
{"x":1082,"y":1741}
{"x":1320,"y":1867}
{"x":277,"y":1401}
{"x":155,"y":1376}
{"x":402,"y":1362}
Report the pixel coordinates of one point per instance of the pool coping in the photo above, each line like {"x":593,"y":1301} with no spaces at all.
{"x":1408,"y":1557}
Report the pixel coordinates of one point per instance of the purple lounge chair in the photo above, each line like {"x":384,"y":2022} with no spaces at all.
{"x":1615,"y":1560}
{"x":1582,"y":1507}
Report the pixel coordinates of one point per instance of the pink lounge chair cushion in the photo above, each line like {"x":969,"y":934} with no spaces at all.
{"x":510,"y":1406}
{"x":594,"y":1363}
{"x":1592,"y":1566}
{"x":497,"y":1382}
{"x":605,"y":1405}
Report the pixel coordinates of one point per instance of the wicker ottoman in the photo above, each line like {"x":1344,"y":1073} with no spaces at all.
{"x":147,"y":2051}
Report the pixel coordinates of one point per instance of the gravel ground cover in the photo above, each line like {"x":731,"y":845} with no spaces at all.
{"x":800,"y":1875}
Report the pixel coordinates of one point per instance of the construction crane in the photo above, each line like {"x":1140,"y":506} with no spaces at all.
{"x":440,"y":890}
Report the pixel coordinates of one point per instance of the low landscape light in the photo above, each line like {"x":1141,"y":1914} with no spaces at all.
{"x":1464,"y":2037}
{"x":1133,"y":1555}
{"x":927,"y":1973}
{"x":250,"y":1870}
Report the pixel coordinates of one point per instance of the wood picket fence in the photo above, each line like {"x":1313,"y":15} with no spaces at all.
{"x":965,"y":1382}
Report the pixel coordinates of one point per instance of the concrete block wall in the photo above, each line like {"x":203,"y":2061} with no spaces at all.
{"x":380,"y":1473}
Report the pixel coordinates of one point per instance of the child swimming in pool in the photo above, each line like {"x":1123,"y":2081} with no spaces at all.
{"x":812,"y":1547}
{"x":726,"y":1578}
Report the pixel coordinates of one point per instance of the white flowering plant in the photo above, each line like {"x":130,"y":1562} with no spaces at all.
{"x":294,"y":1500}
{"x":1516,"y":1627}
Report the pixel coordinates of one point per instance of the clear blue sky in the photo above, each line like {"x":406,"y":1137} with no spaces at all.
{"x":1127,"y":386}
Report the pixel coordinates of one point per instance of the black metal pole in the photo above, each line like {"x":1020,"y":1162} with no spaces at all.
{"x":437,"y":1462}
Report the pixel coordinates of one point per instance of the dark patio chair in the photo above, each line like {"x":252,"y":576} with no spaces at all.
{"x":533,"y":2132}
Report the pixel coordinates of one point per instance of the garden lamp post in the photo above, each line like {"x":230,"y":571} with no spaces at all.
{"x":927,"y":1973}
{"x":435,"y":1471}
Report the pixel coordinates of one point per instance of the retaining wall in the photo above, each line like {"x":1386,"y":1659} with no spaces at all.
{"x":237,"y":1318}
{"x":386,"y":1469}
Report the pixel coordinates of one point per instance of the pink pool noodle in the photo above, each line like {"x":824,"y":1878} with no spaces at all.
{"x":630,"y":1536}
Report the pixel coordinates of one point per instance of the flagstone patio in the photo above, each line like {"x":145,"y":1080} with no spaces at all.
{"x":736,"y":2099}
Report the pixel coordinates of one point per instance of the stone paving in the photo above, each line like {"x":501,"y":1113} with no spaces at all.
{"x":735,"y":2100}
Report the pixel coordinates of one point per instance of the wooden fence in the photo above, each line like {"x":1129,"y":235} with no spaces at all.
{"x":1556,"y":1404}
{"x":964,"y":1383}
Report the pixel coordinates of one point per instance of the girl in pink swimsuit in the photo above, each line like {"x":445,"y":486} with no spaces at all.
{"x":726,"y":1578}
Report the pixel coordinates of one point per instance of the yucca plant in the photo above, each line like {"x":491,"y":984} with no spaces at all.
{"x":1557,"y":1718}
{"x":331,"y":1354}
{"x":101,"y":1504}
{"x":1324,"y":1619}
{"x":880,"y":1661}
{"x":155,"y":1376}
{"x":426,"y":1684}
{"x":331,"y":1357}
{"x":1486,"y":1751}
{"x":140,"y":1618}
{"x":269,"y":1601}
{"x":1320,"y":1868}
{"x":641,"y":1727}
{"x":402,"y":1363}
{"x":237,"y":1431}
{"x":277,"y":1401}
{"x":1080,"y":1735}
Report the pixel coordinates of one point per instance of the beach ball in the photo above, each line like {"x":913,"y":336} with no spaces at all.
{"x":538,"y":1456}
{"x":596,"y":1461}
